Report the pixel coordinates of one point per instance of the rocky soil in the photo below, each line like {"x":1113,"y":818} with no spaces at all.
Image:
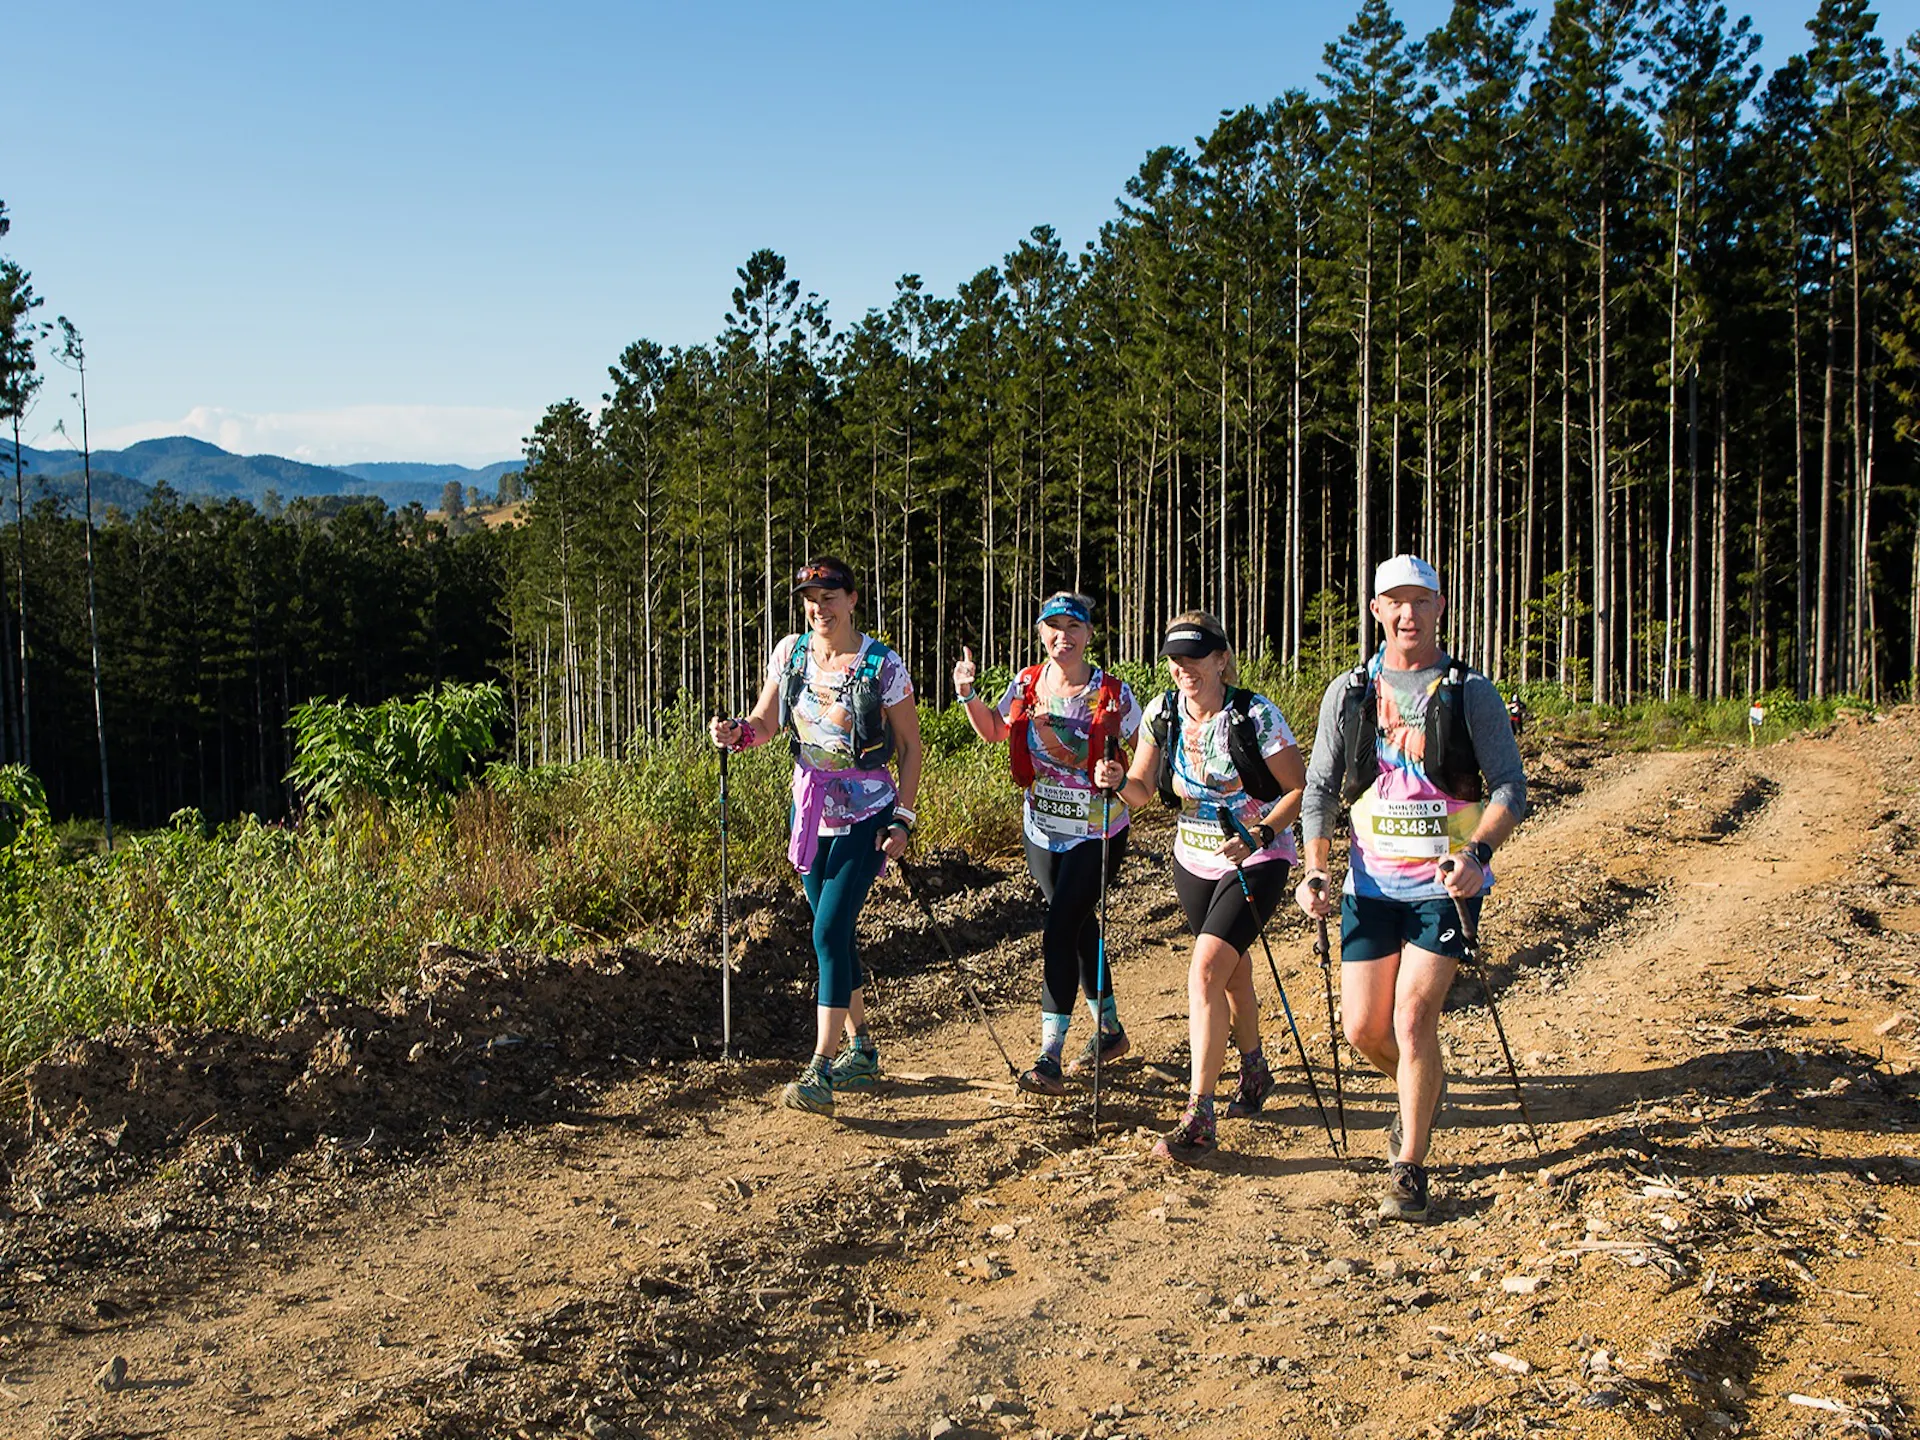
{"x":527,"y":1198}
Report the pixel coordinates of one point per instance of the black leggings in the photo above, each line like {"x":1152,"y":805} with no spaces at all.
{"x":1070,"y":944}
{"x":1218,"y":908}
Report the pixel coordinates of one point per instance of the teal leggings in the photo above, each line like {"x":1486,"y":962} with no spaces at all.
{"x":844,"y":869}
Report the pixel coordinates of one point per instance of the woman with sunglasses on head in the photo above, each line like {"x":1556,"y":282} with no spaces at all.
{"x":1055,"y":718}
{"x":1221,"y":754}
{"x":848,"y":705}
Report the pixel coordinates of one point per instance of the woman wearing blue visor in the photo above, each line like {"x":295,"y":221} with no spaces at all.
{"x":1056,"y":718}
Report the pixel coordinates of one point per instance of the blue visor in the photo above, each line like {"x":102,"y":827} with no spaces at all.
{"x":1066,"y":605}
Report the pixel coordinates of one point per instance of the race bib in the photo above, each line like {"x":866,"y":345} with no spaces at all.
{"x":1403,"y":829}
{"x":1065,"y":811}
{"x":1199,"y":836}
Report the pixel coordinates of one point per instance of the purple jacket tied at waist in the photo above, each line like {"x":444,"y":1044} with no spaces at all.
{"x":809,"y":799}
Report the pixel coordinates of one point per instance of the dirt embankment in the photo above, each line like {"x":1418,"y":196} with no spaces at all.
{"x":528,"y":1198}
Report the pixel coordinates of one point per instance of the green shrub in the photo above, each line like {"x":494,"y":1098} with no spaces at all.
{"x":409,"y":752}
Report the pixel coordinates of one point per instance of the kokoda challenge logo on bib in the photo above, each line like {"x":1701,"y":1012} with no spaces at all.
{"x":1402,"y":829}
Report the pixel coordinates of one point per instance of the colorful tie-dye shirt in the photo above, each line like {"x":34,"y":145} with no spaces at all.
{"x":1404,"y":824}
{"x":823,"y":720}
{"x":1062,"y":808}
{"x":1206,"y":779}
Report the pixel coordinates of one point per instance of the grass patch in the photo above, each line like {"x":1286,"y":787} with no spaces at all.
{"x":235,"y":927}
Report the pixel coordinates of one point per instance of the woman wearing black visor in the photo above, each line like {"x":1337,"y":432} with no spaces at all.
{"x":1220,"y":754}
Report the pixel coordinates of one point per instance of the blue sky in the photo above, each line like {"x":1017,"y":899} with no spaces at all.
{"x":400,"y":231}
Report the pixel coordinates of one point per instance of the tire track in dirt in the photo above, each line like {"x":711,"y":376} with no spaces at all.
{"x":680,"y":1259}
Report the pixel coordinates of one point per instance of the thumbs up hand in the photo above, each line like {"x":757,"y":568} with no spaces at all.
{"x":965,"y":672}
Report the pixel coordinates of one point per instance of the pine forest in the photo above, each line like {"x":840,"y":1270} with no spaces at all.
{"x":1620,"y":331}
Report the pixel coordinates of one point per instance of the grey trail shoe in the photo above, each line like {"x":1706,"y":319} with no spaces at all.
{"x":1406,"y":1197}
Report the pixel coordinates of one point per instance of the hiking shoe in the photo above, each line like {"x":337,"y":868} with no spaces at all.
{"x":1406,"y":1197}
{"x":1112,"y":1043}
{"x":1397,"y":1132}
{"x":1044,"y":1078}
{"x":1256,"y":1083}
{"x":812,"y":1092}
{"x":855,"y":1068}
{"x":1193,"y":1138}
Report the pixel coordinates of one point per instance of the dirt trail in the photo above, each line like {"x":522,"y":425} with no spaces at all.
{"x":1696,"y":957}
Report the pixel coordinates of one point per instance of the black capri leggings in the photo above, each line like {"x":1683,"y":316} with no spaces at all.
{"x":1070,"y":944}
{"x":1216,"y":907}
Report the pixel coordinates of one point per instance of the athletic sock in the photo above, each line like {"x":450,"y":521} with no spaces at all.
{"x":863,"y":1042}
{"x":1106,"y":1013}
{"x":1053,"y":1034}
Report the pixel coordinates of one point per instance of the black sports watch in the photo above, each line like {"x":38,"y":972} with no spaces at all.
{"x":1481,"y":852}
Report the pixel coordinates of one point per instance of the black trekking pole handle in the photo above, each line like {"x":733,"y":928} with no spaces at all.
{"x":1231,"y":827}
{"x":918,"y":896}
{"x":1318,"y":885}
{"x":1470,"y":937}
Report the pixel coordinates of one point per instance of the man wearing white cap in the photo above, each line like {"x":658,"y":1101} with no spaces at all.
{"x":1420,"y":751}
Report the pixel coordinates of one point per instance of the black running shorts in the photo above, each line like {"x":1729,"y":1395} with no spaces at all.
{"x":1217,"y":907}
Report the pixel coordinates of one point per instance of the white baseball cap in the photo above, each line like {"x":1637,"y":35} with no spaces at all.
{"x":1405,"y":570}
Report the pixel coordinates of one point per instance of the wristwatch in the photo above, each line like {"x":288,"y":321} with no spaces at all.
{"x":1481,"y":852}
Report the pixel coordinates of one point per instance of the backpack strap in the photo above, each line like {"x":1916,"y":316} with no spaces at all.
{"x":1451,"y":762}
{"x":1243,"y":745}
{"x":1359,"y":723}
{"x":790,"y":684}
{"x":1165,"y":737}
{"x":872,"y":735}
{"x":1019,"y":753}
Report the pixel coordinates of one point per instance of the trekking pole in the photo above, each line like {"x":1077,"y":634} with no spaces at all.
{"x":1318,"y":884}
{"x":939,"y":933}
{"x":1470,"y":935}
{"x":726,"y":948}
{"x":1112,"y":752}
{"x":1231,"y":827}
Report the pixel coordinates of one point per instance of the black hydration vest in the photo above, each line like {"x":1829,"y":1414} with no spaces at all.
{"x":1450,"y":762}
{"x":1243,"y":745}
{"x":872,"y":735}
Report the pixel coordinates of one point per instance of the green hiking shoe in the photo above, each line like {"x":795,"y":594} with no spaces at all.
{"x":812,"y":1092}
{"x":856,"y":1067}
{"x":1044,"y":1078}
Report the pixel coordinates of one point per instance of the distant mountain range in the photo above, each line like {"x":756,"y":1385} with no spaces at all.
{"x":193,"y":468}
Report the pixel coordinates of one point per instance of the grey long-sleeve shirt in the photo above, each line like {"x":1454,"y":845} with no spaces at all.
{"x":1487,"y":723}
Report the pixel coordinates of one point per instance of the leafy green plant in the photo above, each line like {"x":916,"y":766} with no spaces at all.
{"x":408,"y":752}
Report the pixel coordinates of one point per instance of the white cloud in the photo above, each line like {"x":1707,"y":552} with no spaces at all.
{"x":439,"y":434}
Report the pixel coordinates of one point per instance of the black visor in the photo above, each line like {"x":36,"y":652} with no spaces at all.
{"x":817,"y":576}
{"x":1190,"y":642}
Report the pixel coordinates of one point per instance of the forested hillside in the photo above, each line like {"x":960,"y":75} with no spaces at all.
{"x":215,"y":621}
{"x":1617,"y":329}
